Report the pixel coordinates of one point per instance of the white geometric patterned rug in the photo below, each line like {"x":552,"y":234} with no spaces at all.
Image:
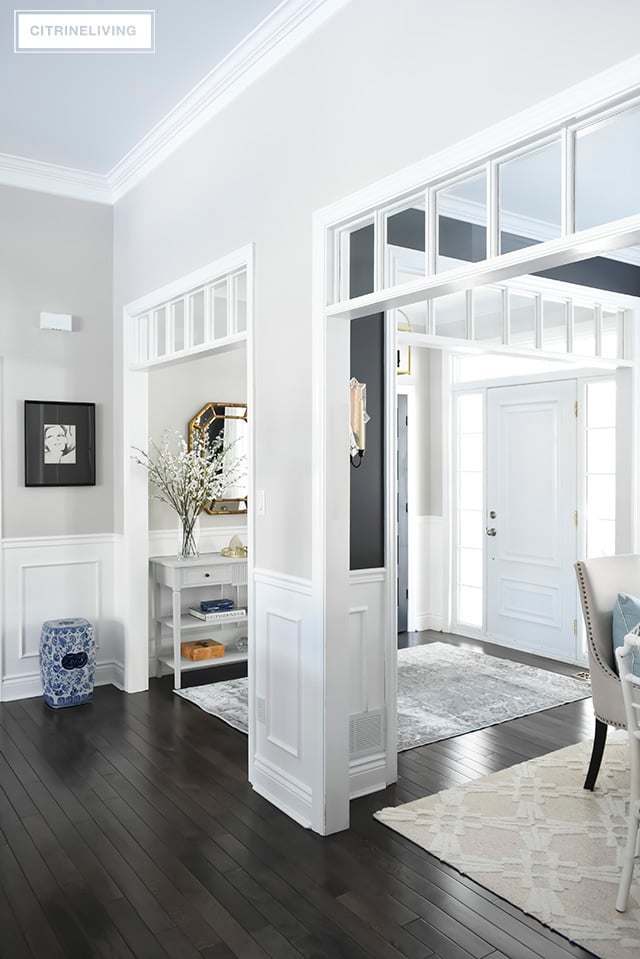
{"x":443,"y":691}
{"x":536,"y":838}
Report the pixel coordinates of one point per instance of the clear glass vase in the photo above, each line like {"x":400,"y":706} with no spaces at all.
{"x":189,"y":539}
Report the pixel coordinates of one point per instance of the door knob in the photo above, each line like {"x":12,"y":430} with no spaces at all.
{"x":492,"y":514}
{"x":491,"y":532}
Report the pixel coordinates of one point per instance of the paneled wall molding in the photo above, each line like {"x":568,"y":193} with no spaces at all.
{"x":367,"y":645}
{"x":45,"y":542}
{"x":367,"y":576}
{"x":50,"y":578}
{"x":283,"y":711}
{"x":296,"y":584}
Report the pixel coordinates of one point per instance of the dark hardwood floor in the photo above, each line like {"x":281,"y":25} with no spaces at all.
{"x":128,"y":829}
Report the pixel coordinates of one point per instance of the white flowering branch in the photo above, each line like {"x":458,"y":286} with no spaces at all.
{"x":188,"y":479}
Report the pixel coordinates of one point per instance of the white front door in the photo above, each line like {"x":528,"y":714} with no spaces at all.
{"x":530,"y":517}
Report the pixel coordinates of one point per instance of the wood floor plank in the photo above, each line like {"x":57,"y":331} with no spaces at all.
{"x":136,"y":810}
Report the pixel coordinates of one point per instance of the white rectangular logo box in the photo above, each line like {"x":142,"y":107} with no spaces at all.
{"x":71,"y":31}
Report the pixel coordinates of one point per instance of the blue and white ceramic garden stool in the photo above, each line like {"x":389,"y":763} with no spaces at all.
{"x":67,"y":662}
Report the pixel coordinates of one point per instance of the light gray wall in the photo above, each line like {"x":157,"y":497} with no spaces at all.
{"x":55,"y":256}
{"x":378,"y":87}
{"x":176,"y":393}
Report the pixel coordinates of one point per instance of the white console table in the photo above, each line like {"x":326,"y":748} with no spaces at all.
{"x":225,"y":576}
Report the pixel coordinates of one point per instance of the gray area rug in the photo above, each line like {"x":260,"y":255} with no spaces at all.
{"x":443,"y":691}
{"x":533,"y":835}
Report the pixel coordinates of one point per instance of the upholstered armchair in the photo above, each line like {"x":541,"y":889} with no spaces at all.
{"x":599,"y":582}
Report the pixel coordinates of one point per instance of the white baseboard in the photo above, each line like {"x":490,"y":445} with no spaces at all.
{"x":367,"y":775}
{"x":30,"y":685}
{"x":428,"y":621}
{"x":285,"y":792}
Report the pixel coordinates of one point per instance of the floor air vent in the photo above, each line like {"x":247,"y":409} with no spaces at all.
{"x":366,"y":732}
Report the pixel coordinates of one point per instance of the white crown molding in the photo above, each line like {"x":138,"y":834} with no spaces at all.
{"x":50,"y":178}
{"x":271,"y":41}
{"x":288,"y":25}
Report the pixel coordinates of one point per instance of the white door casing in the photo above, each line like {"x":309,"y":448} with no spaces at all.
{"x":532,"y":489}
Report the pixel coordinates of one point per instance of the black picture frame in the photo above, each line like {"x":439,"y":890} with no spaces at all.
{"x":59,"y":444}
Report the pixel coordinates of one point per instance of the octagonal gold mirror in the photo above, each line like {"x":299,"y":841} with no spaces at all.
{"x":224,"y":423}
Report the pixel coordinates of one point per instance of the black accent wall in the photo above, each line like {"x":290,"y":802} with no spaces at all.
{"x":367,"y":514}
{"x":367,"y":365}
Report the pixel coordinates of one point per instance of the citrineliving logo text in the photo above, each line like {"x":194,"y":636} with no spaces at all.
{"x":81,"y":30}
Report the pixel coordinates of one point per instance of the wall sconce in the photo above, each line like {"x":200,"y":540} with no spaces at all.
{"x":358,"y":418}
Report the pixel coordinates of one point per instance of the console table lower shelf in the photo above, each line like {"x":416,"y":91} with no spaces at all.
{"x":225,"y":578}
{"x":230,"y":656}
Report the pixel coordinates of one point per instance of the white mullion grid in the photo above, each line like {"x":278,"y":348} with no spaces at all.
{"x":570,"y":314}
{"x":208,"y":314}
{"x":168,"y":330}
{"x":493,"y":210}
{"x":624,"y":349}
{"x":469,"y":325}
{"x":538,"y":321}
{"x":232,"y":308}
{"x":430,"y":317}
{"x":379,"y":246}
{"x":431,"y":231}
{"x":171,"y":328}
{"x":506,"y":316}
{"x":189,"y":319}
{"x":598,"y":315}
{"x":333,"y":293}
{"x":567,"y":187}
{"x":153,"y":334}
{"x":141,"y":338}
{"x":149,"y":334}
{"x":344,"y":241}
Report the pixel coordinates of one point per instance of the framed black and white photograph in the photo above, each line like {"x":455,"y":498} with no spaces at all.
{"x":59,"y":444}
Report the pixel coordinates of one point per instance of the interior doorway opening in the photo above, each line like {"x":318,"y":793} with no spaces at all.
{"x":518,"y":463}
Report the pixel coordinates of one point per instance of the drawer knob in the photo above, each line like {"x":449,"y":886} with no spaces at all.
{"x":206,"y":575}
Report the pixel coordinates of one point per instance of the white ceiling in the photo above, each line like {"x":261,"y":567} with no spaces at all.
{"x":87,"y":110}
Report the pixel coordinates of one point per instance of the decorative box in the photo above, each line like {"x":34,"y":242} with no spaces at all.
{"x":201,"y":649}
{"x":67,"y":662}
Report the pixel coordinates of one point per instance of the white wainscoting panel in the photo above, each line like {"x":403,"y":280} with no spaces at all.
{"x":426,"y":575}
{"x":52,"y":578}
{"x":285,"y":702}
{"x":366,"y":661}
{"x":283,"y":661}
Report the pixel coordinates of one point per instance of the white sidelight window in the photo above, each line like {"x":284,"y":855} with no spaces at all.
{"x":600,"y":441}
{"x":469,"y":510}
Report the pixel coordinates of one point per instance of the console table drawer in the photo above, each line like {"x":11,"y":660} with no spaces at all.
{"x":206,"y":575}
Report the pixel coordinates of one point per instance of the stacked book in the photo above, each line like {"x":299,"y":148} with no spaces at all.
{"x":218,"y":611}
